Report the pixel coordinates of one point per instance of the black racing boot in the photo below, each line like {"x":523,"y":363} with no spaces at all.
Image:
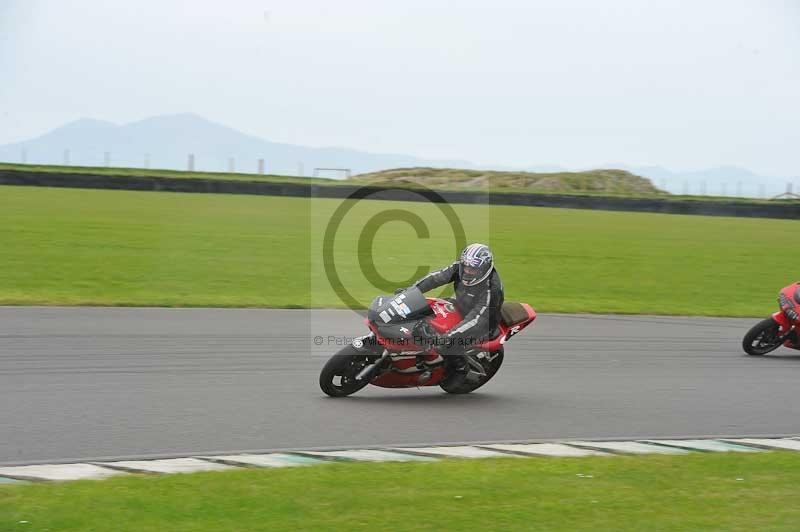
{"x":458,"y":363}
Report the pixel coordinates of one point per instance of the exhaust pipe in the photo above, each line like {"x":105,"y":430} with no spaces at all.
{"x":475,"y":370}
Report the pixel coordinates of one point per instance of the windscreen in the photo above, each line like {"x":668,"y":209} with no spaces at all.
{"x":407,"y":306}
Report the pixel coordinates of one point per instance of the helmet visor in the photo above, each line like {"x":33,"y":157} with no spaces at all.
{"x":470,"y":273}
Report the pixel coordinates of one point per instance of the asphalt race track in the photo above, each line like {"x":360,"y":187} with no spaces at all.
{"x":89,"y":383}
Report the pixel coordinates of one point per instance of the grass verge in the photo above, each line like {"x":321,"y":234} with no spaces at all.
{"x":696,"y":492}
{"x":96,"y":247}
{"x":157,"y":172}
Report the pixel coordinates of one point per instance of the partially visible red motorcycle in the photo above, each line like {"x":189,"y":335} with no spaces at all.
{"x":394,"y":355}
{"x":780,"y":329}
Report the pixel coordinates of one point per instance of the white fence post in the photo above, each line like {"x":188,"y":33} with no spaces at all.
{"x":190,"y":164}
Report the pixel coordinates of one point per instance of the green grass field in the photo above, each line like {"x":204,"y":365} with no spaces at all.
{"x":72,"y":247}
{"x":663,"y":493}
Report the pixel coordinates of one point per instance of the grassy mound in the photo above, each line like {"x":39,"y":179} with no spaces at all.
{"x":614,"y":182}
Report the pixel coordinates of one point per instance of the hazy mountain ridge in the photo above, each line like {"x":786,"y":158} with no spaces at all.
{"x":165,"y":142}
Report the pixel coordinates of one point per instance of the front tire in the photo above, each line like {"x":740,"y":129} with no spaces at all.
{"x":457,"y":386}
{"x":762,"y":338}
{"x":338,"y":376}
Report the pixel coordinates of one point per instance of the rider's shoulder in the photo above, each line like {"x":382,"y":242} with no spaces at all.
{"x":495,"y":279}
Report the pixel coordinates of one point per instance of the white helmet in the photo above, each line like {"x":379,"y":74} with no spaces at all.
{"x":475,"y":264}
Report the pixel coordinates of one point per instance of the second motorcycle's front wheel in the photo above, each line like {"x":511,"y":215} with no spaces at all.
{"x":456,"y":384}
{"x":338,"y":376}
{"x":762,"y":338}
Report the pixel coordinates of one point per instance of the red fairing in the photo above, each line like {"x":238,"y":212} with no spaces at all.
{"x":781,"y":319}
{"x":787,"y":301}
{"x":789,"y":315}
{"x":391,"y":345}
{"x":396,"y":379}
{"x":446,"y":316}
{"x":406,"y":374}
{"x":506,"y":332}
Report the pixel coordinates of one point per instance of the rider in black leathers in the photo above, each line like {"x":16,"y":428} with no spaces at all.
{"x":478,"y":298}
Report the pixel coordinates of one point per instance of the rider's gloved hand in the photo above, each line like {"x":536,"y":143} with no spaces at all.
{"x":424,"y":333}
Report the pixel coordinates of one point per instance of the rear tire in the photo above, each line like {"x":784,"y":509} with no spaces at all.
{"x":454,"y":385}
{"x":338,"y":376}
{"x":762,"y":338}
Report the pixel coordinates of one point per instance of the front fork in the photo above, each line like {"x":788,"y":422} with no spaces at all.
{"x":787,"y":331}
{"x":369,"y":372}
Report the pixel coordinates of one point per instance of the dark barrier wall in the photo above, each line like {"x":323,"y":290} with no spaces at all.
{"x":170,"y":184}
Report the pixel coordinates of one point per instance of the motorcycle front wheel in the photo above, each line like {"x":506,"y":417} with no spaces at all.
{"x":338,"y":376}
{"x":762,"y":338}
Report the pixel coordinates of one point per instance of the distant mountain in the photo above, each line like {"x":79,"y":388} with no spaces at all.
{"x":167,"y":141}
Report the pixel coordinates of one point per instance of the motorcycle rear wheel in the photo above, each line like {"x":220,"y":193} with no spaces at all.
{"x":338,"y":376}
{"x":762,"y":338}
{"x":456,"y":386}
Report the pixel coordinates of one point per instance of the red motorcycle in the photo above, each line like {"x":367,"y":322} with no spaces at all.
{"x":395,"y":355}
{"x":781,"y":329}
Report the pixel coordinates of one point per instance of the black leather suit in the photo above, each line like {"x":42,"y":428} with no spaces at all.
{"x":479,"y":306}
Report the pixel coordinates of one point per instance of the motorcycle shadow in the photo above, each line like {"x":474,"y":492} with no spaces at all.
{"x":775,"y":356}
{"x":427,"y":399}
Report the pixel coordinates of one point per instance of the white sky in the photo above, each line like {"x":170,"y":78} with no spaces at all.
{"x":682,"y":84}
